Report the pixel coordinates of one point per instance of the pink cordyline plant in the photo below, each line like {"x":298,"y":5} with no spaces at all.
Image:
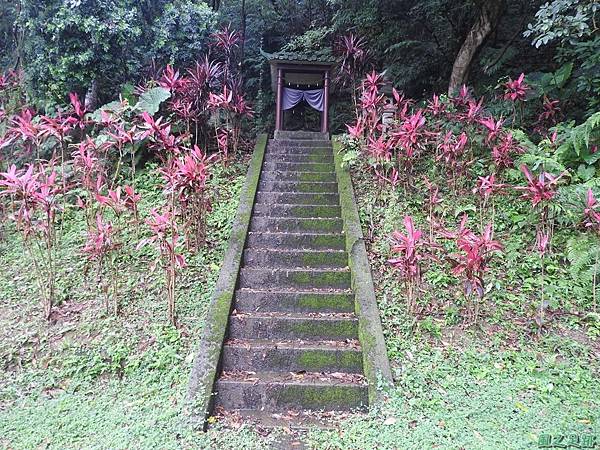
{"x":122,"y":139}
{"x":357,"y":130}
{"x":463,"y":97}
{"x":102,"y":247}
{"x":450,"y":152}
{"x":186,"y":180}
{"x":434,"y":200}
{"x":34,"y":193}
{"x":591,"y":220}
{"x":474,"y":110}
{"x":411,"y":136}
{"x":162,"y":140}
{"x":91,"y":176}
{"x":516,"y":90}
{"x":591,"y":212}
{"x":549,"y":116}
{"x":171,"y":79}
{"x":435,"y":106}
{"x":402,"y":105}
{"x":354,"y":56}
{"x":165,"y":238}
{"x":502,"y":152}
{"x":539,"y":191}
{"x":79,"y":111}
{"x":412,"y":249}
{"x":493,"y":127}
{"x":486,"y":188}
{"x":379,"y":153}
{"x":472,"y":262}
{"x":26,"y":127}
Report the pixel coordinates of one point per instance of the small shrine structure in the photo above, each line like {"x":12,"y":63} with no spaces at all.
{"x":300,"y":77}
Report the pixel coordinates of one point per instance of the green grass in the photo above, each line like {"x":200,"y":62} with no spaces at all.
{"x":497,"y":385}
{"x":88,"y":380}
{"x":91,"y":380}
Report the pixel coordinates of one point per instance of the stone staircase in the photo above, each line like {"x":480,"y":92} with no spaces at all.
{"x":292,"y":341}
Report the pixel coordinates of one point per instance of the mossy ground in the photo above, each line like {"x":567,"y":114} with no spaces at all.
{"x":497,"y":385}
{"x":90,"y":380}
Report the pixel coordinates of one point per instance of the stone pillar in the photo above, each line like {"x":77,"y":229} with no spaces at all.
{"x":278,"y":110}
{"x":325,"y":116}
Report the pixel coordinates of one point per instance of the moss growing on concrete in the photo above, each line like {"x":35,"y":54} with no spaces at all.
{"x":314,"y":187}
{"x":320,"y":225}
{"x":324,"y":259}
{"x":316,"y":397}
{"x":316,"y":176}
{"x":321,"y":279}
{"x":340,"y":302}
{"x":347,"y":329}
{"x":318,"y":211}
{"x":320,"y":158}
{"x":317,"y":360}
{"x":329,"y":241}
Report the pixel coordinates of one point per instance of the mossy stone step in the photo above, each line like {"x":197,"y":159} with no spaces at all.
{"x":314,"y":241}
{"x":270,"y":393}
{"x":296,"y":186}
{"x":300,"y":198}
{"x":275,"y":356}
{"x":293,"y":420}
{"x":306,"y":151}
{"x":277,"y":279}
{"x":292,"y":327}
{"x":283,"y":210}
{"x":309,"y":225}
{"x":286,"y":175}
{"x":300,"y":135}
{"x":283,"y":157}
{"x":295,"y":259}
{"x":300,"y":166}
{"x":293,"y":301}
{"x":300,"y":142}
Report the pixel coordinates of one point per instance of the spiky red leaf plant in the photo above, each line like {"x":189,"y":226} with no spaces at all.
{"x":34,"y":193}
{"x":411,"y":249}
{"x":165,"y":238}
{"x":471,"y":263}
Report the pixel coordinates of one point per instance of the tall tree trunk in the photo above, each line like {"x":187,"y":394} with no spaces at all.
{"x":489,"y":16}
{"x":91,"y":96}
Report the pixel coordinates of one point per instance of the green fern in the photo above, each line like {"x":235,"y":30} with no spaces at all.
{"x":583,"y":252}
{"x":578,"y":141}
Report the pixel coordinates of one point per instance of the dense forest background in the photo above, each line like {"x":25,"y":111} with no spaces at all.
{"x":102,"y":47}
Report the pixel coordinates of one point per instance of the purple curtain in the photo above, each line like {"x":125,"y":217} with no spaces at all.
{"x":291,"y":97}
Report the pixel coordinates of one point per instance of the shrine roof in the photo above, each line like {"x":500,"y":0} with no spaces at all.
{"x":320,"y":57}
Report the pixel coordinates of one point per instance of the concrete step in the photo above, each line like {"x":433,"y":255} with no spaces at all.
{"x":295,"y":186}
{"x":285,"y":175}
{"x":248,"y":300}
{"x":293,"y":225}
{"x":291,"y":210}
{"x":299,"y":150}
{"x":280,"y":392}
{"x":298,"y":198}
{"x":314,"y":143}
{"x":291,"y":419}
{"x":299,"y":166}
{"x":277,"y":258}
{"x":263,"y":355}
{"x":300,"y":135}
{"x":297,"y":241}
{"x":292,"y":326}
{"x":284,"y":157}
{"x":278,"y":279}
